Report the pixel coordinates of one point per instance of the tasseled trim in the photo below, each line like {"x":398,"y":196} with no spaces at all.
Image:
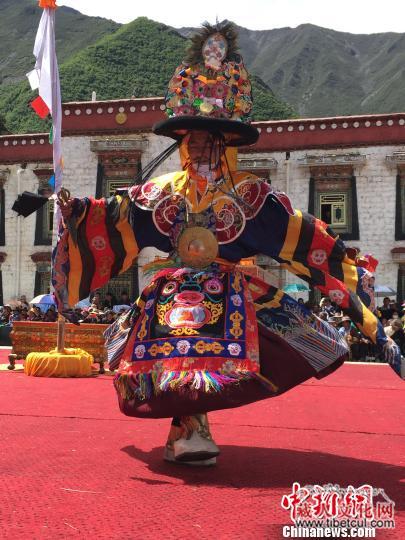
{"x":145,"y":385}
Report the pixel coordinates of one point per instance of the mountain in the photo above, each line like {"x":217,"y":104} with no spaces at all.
{"x":322,"y":72}
{"x":137,"y":59}
{"x":18,"y":26}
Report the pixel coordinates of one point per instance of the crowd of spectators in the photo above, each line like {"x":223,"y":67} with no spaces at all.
{"x":390,"y":314}
{"x":105,"y":309}
{"x":98,"y":311}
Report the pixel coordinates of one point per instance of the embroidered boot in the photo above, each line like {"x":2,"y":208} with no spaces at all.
{"x":190,"y":442}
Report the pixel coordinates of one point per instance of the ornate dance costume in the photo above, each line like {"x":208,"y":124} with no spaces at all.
{"x":204,"y":334}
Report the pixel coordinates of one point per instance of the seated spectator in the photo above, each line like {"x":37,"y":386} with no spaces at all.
{"x":90,"y":317}
{"x":384,"y":322}
{"x":109,"y":317}
{"x":33,"y":315}
{"x":15,"y":315}
{"x":124,"y":299}
{"x":326,"y":306}
{"x":332,"y":321}
{"x":23,"y":302}
{"x":38,"y":312}
{"x":345,"y":327}
{"x":398,"y":334}
{"x":110,"y":301}
{"x":50,"y":315}
{"x":316,"y":309}
{"x":96,"y":300}
{"x":385,"y":311}
{"x":359,"y":344}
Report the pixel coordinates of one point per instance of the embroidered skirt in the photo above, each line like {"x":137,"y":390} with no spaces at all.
{"x":200,"y":341}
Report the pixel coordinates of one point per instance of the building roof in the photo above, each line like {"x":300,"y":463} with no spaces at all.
{"x":137,"y":115}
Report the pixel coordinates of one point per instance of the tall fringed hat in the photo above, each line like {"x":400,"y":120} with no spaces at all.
{"x":211,"y":90}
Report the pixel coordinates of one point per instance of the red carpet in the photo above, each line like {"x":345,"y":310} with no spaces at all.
{"x":72,"y":466}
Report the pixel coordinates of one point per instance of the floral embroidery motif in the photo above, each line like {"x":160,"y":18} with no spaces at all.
{"x":184,"y":332}
{"x":237,"y":283}
{"x":216,"y":310}
{"x":213,"y":286}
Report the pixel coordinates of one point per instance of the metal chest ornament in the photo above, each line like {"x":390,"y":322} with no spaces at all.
{"x":197,"y":245}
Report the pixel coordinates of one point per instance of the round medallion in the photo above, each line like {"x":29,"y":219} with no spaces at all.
{"x":121,"y":118}
{"x":197,"y":247}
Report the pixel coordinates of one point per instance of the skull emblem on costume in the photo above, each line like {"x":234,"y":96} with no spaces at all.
{"x":98,"y":243}
{"x":337,"y":296}
{"x":183,"y":346}
{"x":140,"y":351}
{"x":318,"y":256}
{"x":234,"y":349}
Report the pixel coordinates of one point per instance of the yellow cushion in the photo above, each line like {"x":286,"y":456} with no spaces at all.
{"x":71,"y":363}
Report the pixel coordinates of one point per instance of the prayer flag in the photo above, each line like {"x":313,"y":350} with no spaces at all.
{"x":40,"y":107}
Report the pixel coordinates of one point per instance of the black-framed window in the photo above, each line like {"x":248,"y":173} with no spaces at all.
{"x":401,"y":283}
{"x":44,"y":225}
{"x":122,"y":169}
{"x":334,"y":200}
{"x":42,"y":278}
{"x":400,"y":205}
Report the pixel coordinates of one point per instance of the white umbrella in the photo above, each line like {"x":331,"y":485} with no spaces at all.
{"x":43,"y":301}
{"x":83,"y":303}
{"x":384,"y":290}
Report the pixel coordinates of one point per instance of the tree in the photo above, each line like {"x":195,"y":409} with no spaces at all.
{"x":3,"y":128}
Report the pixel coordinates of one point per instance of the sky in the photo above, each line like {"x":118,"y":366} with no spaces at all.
{"x":355,"y":16}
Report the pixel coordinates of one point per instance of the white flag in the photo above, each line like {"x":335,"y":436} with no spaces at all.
{"x":33,"y":78}
{"x":45,"y":76}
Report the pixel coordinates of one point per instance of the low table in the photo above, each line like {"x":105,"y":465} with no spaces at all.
{"x":27,"y":336}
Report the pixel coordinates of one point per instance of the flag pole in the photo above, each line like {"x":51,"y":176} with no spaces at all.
{"x":45,"y":78}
